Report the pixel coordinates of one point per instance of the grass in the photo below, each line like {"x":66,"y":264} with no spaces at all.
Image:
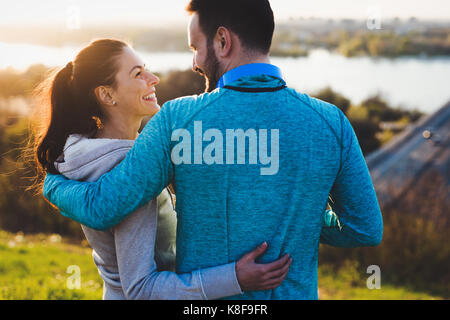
{"x":34,"y":267}
{"x":350,"y":283}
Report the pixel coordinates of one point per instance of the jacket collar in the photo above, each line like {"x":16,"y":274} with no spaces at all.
{"x":248,"y":70}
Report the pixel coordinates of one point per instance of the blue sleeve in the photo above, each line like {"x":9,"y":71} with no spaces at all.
{"x":141,"y":176}
{"x":354,"y":198}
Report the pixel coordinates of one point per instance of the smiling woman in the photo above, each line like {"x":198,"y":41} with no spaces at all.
{"x":130,"y":98}
{"x":69,"y":102}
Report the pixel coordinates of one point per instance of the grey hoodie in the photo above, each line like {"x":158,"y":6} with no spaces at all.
{"x":136,"y":257}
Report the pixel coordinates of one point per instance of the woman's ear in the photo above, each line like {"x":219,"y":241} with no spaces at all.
{"x":104,"y":96}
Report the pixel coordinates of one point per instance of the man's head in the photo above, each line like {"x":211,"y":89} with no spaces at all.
{"x":223,"y":31}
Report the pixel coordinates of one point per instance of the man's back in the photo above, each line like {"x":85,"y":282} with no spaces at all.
{"x":231,"y":196}
{"x":225,"y":209}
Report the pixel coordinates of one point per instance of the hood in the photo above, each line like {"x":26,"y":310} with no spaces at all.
{"x":87,"y":159}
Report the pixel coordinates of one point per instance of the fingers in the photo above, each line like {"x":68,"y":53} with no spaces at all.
{"x":257,"y":252}
{"x":273,"y":275}
{"x":273,"y":283}
{"x":275,"y":278}
{"x":276,"y":264}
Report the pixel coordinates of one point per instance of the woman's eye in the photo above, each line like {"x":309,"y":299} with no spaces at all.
{"x":138,"y":74}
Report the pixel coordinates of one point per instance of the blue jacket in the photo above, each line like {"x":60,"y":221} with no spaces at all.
{"x":275,"y":191}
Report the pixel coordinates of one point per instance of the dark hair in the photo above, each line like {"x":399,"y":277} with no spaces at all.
{"x":67,"y":103}
{"x":251,"y":20}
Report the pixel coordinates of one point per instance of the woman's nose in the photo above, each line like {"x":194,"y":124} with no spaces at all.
{"x":152,"y":79}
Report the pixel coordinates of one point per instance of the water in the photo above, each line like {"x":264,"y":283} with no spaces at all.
{"x":410,"y":82}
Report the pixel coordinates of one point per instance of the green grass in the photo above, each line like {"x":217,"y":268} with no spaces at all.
{"x":34,"y":267}
{"x":349,"y":283}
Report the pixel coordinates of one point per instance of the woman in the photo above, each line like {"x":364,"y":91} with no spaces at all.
{"x":95,"y":106}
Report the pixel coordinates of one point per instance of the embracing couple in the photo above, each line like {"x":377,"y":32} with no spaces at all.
{"x":252,"y":162}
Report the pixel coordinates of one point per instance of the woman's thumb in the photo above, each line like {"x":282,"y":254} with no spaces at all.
{"x":258,"y":251}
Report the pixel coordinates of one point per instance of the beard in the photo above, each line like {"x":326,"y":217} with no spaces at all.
{"x":211,"y":70}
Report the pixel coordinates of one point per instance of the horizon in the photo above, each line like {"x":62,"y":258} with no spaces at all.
{"x":172,"y":12}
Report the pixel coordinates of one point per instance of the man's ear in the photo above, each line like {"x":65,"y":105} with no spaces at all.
{"x":223,"y":42}
{"x":103,"y":94}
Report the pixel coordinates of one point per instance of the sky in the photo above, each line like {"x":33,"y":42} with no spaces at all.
{"x":169,"y":12}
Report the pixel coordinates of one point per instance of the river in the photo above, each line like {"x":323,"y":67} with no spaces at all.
{"x":409,"y":82}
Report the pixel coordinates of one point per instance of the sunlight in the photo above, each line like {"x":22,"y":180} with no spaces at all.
{"x":22,"y":56}
{"x":171,"y":12}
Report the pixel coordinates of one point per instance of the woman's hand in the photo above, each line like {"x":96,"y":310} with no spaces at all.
{"x":254,"y":276}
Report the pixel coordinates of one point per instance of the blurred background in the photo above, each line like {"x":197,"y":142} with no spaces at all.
{"x":385,"y":64}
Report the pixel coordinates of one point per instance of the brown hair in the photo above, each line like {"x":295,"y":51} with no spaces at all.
{"x":251,"y":20}
{"x":67,"y":103}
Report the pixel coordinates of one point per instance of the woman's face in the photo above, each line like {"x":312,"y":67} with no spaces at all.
{"x":135,"y":86}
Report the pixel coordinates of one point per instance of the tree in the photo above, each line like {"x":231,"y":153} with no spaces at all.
{"x":327,"y":94}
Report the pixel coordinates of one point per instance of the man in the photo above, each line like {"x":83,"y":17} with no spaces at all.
{"x":252,"y":160}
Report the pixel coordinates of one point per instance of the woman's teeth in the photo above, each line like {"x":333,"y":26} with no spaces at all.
{"x":150,"y":97}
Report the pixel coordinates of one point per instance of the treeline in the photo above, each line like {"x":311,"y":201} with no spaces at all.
{"x":143,"y":38}
{"x":21,"y":84}
{"x":295,"y":42}
{"x":368,"y":118}
{"x":434,"y":42}
{"x":289,"y":40}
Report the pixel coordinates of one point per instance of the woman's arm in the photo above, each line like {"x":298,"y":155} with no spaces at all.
{"x":135,"y":242}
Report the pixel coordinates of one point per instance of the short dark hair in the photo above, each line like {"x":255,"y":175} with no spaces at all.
{"x":251,"y":20}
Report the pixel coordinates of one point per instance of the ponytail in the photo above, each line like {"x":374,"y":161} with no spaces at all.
{"x":64,"y":120}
